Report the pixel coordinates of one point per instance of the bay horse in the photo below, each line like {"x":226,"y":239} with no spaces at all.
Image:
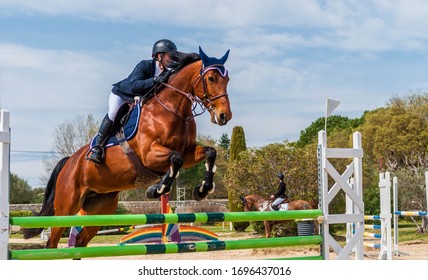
{"x":254,"y":202}
{"x":165,"y":142}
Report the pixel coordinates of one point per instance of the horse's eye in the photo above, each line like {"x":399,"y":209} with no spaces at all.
{"x":211,"y":79}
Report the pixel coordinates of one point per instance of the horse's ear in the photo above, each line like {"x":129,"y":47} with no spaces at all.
{"x":224,"y":58}
{"x":205,"y":59}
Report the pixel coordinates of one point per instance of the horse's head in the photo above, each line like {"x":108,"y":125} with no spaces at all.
{"x":247,"y":203}
{"x":214,"y":79}
{"x":244,"y":203}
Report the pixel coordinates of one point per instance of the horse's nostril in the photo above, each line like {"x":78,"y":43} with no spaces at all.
{"x":223,"y":119}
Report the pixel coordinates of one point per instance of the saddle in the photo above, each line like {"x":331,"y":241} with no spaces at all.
{"x":282,"y":207}
{"x":125,"y":129}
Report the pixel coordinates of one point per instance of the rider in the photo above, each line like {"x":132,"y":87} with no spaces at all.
{"x":280,"y":195}
{"x":146,"y":74}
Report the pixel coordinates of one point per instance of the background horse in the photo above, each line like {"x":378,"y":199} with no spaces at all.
{"x":165,"y":141}
{"x":254,"y":202}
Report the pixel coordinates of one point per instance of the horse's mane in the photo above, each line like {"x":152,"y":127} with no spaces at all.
{"x":179,"y":60}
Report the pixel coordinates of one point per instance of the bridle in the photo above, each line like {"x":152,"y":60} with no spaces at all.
{"x":194,"y":99}
{"x":223,"y":72}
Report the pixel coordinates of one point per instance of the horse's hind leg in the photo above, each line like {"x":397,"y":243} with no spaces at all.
{"x":96,"y":204}
{"x":66,"y":203}
{"x":55,"y":237}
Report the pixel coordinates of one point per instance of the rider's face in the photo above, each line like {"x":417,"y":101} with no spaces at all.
{"x":163,"y":59}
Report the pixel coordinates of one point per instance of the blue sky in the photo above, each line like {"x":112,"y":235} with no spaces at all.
{"x":59,"y":59}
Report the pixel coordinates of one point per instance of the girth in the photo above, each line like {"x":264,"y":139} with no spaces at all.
{"x":144,"y":174}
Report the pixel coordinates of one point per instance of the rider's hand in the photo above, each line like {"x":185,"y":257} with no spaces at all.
{"x":272,"y":197}
{"x":163,"y":77}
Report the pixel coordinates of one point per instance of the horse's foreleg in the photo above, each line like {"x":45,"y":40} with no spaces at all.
{"x":207,"y":186}
{"x":164,"y":186}
{"x":268,"y":229}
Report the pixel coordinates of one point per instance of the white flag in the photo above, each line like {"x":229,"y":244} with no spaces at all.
{"x":331,"y":105}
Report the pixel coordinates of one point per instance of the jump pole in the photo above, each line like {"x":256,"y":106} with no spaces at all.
{"x":141,"y":219}
{"x":166,"y":248}
{"x":4,"y":183}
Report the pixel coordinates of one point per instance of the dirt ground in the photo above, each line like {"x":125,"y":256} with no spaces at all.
{"x":414,"y":250}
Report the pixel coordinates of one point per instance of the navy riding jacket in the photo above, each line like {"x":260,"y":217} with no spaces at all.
{"x":138,"y":83}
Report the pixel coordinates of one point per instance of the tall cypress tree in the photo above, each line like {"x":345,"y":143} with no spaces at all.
{"x":237,"y":145}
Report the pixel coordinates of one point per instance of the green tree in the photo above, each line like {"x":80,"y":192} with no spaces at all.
{"x":395,"y":139}
{"x":20,"y":191}
{"x":237,"y":146}
{"x":224,"y":143}
{"x":237,"y":143}
{"x":397,"y":135}
{"x":310,"y":134}
{"x":38,"y":194}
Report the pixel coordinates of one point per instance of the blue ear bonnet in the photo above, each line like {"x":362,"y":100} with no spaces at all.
{"x":211,"y":63}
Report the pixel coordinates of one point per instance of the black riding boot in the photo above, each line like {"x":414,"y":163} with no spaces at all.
{"x":97,"y":150}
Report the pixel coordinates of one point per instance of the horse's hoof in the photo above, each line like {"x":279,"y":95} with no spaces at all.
{"x":197,"y":195}
{"x":152,"y":192}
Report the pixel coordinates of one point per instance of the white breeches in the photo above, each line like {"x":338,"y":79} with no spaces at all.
{"x":114,"y":103}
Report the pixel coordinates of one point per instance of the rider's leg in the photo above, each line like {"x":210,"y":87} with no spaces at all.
{"x":276,"y":203}
{"x":103,"y":133}
{"x":115,"y":102}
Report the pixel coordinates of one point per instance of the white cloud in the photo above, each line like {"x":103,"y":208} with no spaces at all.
{"x":45,"y":78}
{"x":355,"y":25}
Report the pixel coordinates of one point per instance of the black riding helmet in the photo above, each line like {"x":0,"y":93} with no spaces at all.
{"x":163,"y":46}
{"x":280,"y":176}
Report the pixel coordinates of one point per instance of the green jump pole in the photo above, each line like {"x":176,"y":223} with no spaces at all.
{"x":117,"y":220}
{"x":167,"y":248}
{"x":304,"y":258}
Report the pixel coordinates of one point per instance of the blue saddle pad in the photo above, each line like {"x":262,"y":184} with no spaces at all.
{"x":130,"y":128}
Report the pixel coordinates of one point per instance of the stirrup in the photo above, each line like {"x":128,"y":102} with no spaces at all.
{"x":92,"y":151}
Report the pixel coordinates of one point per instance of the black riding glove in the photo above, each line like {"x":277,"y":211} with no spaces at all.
{"x":163,"y":77}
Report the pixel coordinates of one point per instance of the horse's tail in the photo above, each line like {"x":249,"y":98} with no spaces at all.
{"x":47,"y":207}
